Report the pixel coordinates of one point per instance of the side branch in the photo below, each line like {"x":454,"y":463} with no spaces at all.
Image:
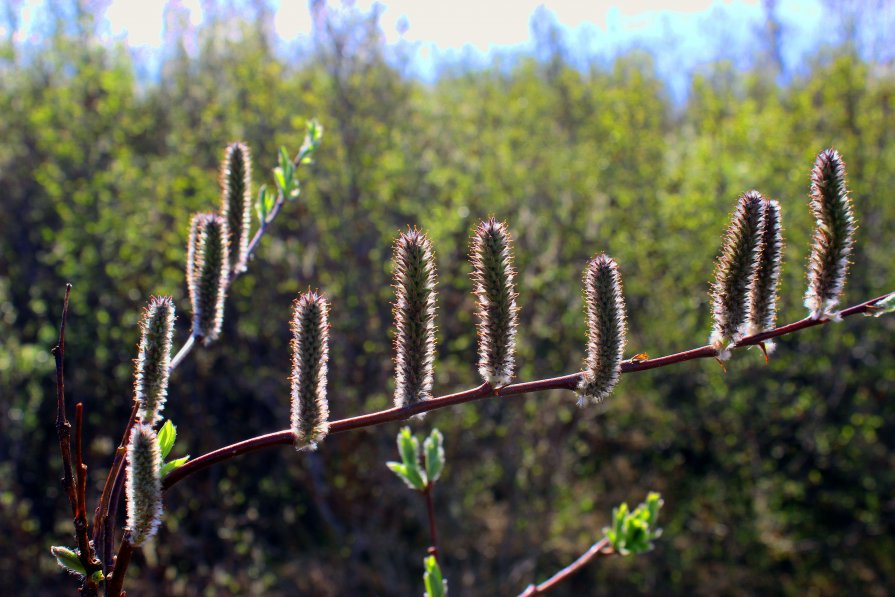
{"x":597,"y":549}
{"x":263,"y":227}
{"x":565,"y":382}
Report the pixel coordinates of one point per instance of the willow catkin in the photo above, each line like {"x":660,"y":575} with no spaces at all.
{"x":154,"y":359}
{"x":606,"y":329}
{"x":734,"y":273}
{"x":144,"y":484}
{"x":236,"y":201}
{"x":763,"y":291}
{"x":414,"y":311}
{"x":310,"y":352}
{"x":492,"y":274}
{"x":833,"y":235}
{"x":208,"y":268}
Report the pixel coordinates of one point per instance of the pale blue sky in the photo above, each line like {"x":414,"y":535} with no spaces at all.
{"x":681,"y":35}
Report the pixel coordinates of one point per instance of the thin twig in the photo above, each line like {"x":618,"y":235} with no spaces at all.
{"x":566,"y":382}
{"x":181,"y":354}
{"x":63,"y":430}
{"x":430,"y":509}
{"x":256,"y":240}
{"x":597,"y":549}
{"x":80,"y":469}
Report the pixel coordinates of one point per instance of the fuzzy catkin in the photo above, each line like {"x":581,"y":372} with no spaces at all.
{"x":734,"y":273}
{"x":154,"y":359}
{"x":208,"y":269}
{"x":144,"y":484}
{"x":236,"y":201}
{"x":414,"y":311}
{"x":606,"y":329}
{"x":492,"y":274}
{"x":763,"y":292}
{"x":833,"y":235}
{"x":310,"y":352}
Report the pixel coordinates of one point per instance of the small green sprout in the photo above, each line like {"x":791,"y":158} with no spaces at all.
{"x":633,"y":532}
{"x":435,"y":584}
{"x":419,"y":471}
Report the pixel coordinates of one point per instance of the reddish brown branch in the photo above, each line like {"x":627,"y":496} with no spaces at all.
{"x":63,"y":427}
{"x":115,"y":582}
{"x":597,"y":549}
{"x":104,"y":516}
{"x":76,"y":492}
{"x":566,"y":382}
{"x":80,"y":468}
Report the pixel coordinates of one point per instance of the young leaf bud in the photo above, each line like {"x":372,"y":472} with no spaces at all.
{"x":735,"y":271}
{"x":606,"y":329}
{"x":763,"y":295}
{"x":414,"y":312}
{"x":492,"y":276}
{"x":236,"y":201}
{"x":153,"y":359}
{"x":144,"y":484}
{"x":69,"y":559}
{"x":310,"y":352}
{"x":208,"y":267}
{"x":833,"y":235}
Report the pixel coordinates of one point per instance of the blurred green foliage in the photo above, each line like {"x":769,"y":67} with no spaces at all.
{"x":777,"y":479}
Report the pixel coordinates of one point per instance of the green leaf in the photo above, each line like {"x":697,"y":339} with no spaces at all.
{"x":409,"y":449}
{"x":280,"y":176}
{"x":68,"y":559}
{"x":433,"y":449}
{"x":167,"y":435}
{"x":432,"y":579}
{"x":401,"y":470}
{"x":285,"y":160}
{"x":173,"y":464}
{"x":264,"y":204}
{"x":98,"y":576}
{"x":887,"y":305}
